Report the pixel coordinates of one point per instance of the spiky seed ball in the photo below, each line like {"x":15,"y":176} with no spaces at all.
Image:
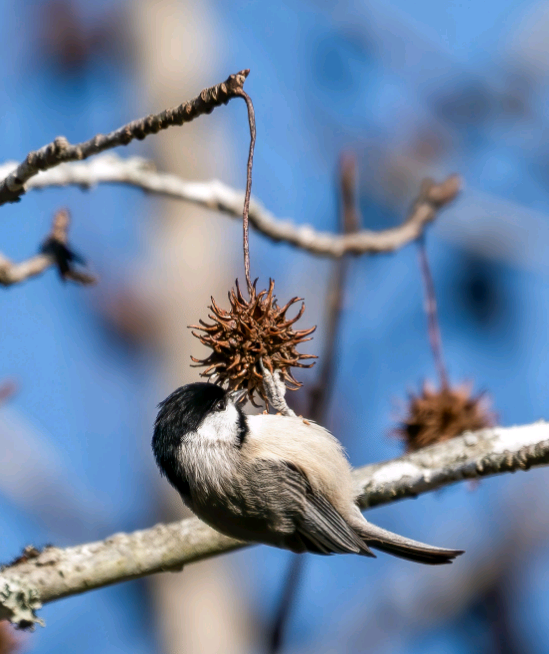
{"x":439,"y":415}
{"x":251,"y":330}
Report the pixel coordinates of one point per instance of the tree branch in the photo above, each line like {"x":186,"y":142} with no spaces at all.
{"x":55,"y":251}
{"x":14,"y":273}
{"x":55,"y":573}
{"x":215,"y":195}
{"x":61,"y":151}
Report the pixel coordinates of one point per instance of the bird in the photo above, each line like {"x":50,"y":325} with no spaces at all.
{"x":273,"y":479}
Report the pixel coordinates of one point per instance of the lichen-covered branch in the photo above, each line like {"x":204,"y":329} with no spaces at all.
{"x":215,"y":195}
{"x":61,"y":151}
{"x":56,"y":573}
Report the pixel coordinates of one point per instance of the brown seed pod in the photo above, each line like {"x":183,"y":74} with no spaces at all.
{"x":251,"y":330}
{"x":435,"y":415}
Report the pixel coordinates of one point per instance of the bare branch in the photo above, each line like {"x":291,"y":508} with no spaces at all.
{"x":14,"y":273}
{"x":350,"y":224}
{"x":471,"y":456}
{"x":61,"y":151}
{"x":215,"y":195}
{"x":57,"y":573}
{"x":54,"y":252}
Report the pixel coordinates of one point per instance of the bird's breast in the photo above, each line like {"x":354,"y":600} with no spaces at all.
{"x":208,"y":466}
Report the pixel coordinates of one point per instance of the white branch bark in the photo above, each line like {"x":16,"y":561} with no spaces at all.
{"x":57,"y":573}
{"x":137,"y":172}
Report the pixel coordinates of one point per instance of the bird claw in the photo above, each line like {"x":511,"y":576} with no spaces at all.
{"x":275,"y":390}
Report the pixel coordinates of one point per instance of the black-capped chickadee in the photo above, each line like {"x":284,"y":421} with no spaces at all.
{"x":269,"y":479}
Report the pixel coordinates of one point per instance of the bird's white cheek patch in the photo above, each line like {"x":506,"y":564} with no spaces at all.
{"x":221,"y":426}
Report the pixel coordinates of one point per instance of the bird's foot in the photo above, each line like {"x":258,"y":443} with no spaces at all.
{"x":275,"y":390}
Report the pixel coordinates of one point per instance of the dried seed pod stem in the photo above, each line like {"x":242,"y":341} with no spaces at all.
{"x":246,"y":211}
{"x":433,"y":325}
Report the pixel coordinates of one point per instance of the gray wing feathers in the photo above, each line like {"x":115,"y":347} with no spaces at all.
{"x":317,"y":521}
{"x":312,"y":524}
{"x":323,"y":524}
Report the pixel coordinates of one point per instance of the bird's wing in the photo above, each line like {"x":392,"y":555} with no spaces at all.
{"x":319,"y":526}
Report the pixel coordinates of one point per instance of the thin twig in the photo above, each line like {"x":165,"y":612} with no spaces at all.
{"x":56,"y":245}
{"x":61,"y":151}
{"x":54,"y":252}
{"x":247,"y":195}
{"x":135,"y":171}
{"x":286,"y":604}
{"x":433,"y":326}
{"x":350,"y":224}
{"x":15,"y":273}
{"x":319,"y":396}
{"x":57,"y":572}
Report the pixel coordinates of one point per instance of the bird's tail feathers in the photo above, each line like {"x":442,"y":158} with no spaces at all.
{"x":405,"y":548}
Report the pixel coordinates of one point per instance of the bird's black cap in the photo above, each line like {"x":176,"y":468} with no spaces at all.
{"x":184,"y":410}
{"x":181,"y":413}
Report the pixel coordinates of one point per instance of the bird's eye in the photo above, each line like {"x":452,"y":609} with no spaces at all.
{"x":220,"y":405}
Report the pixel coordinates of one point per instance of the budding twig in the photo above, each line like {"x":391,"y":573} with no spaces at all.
{"x":61,"y":151}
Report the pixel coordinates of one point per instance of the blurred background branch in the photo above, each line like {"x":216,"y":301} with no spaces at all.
{"x":14,"y":273}
{"x":218,"y":196}
{"x":54,"y":252}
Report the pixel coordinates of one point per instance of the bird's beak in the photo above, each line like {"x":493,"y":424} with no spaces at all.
{"x":237,"y":396}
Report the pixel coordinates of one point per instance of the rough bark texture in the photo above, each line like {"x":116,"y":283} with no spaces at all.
{"x":56,"y":573}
